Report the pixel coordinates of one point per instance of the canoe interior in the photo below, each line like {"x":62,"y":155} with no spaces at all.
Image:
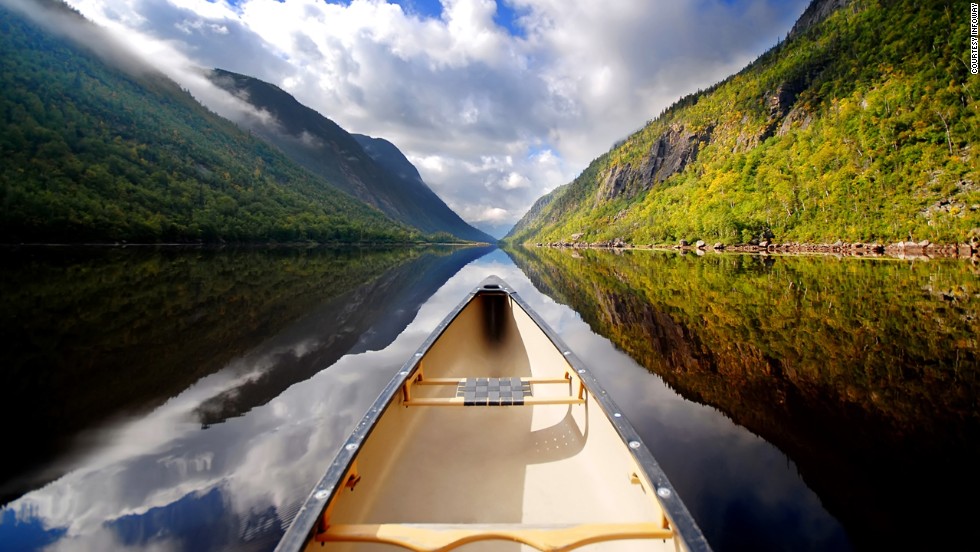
{"x":537,"y":465}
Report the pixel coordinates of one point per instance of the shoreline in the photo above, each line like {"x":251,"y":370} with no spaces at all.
{"x":902,"y":250}
{"x":231,"y":245}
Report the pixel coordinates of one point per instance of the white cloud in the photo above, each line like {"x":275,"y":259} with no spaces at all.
{"x":430,"y":163}
{"x":456,"y":90}
{"x":515,"y":181}
{"x":494,"y":214}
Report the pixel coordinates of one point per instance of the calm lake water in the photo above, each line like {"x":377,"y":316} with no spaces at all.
{"x":188,"y":399}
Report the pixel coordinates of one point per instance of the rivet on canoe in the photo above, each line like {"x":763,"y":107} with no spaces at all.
{"x":581,"y":371}
{"x":403,"y":373}
{"x":567,"y":353}
{"x":634,"y":444}
{"x":321,"y":495}
{"x":663,"y":492}
{"x":617,"y":415}
{"x":353,"y":446}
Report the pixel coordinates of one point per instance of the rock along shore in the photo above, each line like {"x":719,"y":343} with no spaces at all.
{"x":904,"y":249}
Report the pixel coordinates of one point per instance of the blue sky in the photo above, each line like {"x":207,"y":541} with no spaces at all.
{"x":506,"y":16}
{"x":495,"y":101}
{"x":427,"y":8}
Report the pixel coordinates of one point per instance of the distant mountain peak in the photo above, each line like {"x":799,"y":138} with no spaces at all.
{"x":371,"y":169}
{"x":105,"y":149}
{"x":817,"y":11}
{"x":389,"y":156}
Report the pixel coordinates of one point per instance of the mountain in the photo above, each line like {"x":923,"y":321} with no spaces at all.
{"x":389,"y":157}
{"x":860,"y":126}
{"x":99,"y":147}
{"x":371,"y":169}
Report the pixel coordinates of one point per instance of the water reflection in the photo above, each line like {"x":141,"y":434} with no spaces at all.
{"x":365,"y":318}
{"x":865,"y":373}
{"x":157,"y":480}
{"x":92,"y":334}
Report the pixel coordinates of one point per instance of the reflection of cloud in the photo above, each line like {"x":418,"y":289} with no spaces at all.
{"x":569,"y":77}
{"x":269,"y":458}
{"x":103,"y":539}
{"x":185,"y":465}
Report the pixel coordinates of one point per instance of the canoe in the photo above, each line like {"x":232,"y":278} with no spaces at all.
{"x":493,"y":436}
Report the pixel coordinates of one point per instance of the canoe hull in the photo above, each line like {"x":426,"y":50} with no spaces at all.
{"x":494,"y":434}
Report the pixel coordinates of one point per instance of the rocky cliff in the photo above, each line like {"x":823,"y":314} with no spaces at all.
{"x":670,"y":153}
{"x":858,"y":127}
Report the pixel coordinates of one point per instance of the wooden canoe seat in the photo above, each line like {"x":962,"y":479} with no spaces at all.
{"x":441,"y":537}
{"x":513,"y":391}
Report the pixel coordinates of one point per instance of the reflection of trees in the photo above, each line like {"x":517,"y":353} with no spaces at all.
{"x":367,"y":317}
{"x":864,"y":372}
{"x":89,"y":334}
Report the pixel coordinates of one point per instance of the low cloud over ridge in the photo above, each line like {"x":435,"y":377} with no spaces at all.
{"x":492,"y":116}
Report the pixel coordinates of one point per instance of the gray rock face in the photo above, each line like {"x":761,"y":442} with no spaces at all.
{"x":671,"y":152}
{"x":679,"y":146}
{"x":817,"y":11}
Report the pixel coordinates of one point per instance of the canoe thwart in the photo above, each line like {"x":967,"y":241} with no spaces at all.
{"x":486,"y":391}
{"x":515,"y":391}
{"x":457,"y":381}
{"x":481,"y":391}
{"x":460,"y":401}
{"x":442,"y":537}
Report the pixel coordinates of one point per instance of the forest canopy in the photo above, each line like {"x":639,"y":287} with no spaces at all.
{"x":92,"y":153}
{"x":862,"y":127}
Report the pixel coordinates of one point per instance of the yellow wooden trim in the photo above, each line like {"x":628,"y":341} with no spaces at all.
{"x":351,"y":479}
{"x":440,"y":538}
{"x":571,"y":376}
{"x":412,"y":380}
{"x":460,"y":401}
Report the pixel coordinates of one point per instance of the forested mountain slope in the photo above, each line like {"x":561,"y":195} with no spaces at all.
{"x":359,"y":165}
{"x":95,"y":150}
{"x":861,"y":126}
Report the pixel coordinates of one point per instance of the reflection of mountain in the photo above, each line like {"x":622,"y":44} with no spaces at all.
{"x":368,"y":317}
{"x":89,"y":335}
{"x":865,"y":374}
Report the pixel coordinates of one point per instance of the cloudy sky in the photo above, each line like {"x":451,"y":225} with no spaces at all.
{"x":496,"y":102}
